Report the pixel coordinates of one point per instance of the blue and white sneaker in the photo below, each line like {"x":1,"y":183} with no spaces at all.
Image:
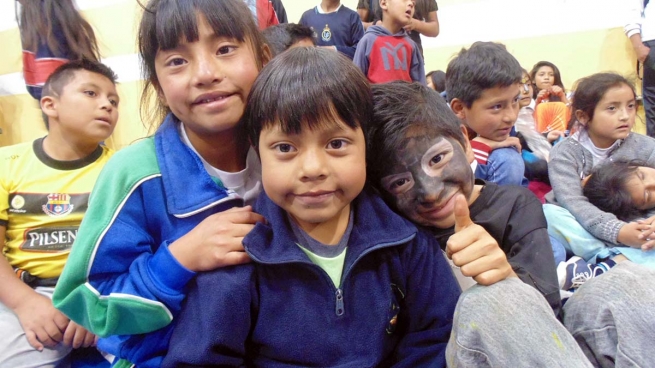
{"x":576,"y":271}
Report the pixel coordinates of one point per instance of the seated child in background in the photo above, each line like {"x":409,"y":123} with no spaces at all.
{"x":335,"y":26}
{"x":535,"y":148}
{"x":337,"y":277}
{"x":44,"y":190}
{"x":437,"y":80}
{"x":551,"y":103}
{"x":417,"y":159}
{"x":386,"y":52}
{"x":483,"y":86}
{"x":285,"y":36}
{"x":604,"y":108}
{"x":547,"y":82}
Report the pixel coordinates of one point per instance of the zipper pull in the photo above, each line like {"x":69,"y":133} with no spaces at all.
{"x":339,"y":309}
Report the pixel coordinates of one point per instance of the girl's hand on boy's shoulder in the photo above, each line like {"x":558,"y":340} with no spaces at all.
{"x":217,"y":241}
{"x":474,"y":250}
{"x":637,"y":234}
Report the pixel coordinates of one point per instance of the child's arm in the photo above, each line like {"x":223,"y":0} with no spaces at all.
{"x":356,"y":34}
{"x":42,"y":323}
{"x":425,"y":317}
{"x":417,"y":70}
{"x":215,"y":323}
{"x":361,"y":55}
{"x":527,"y":251}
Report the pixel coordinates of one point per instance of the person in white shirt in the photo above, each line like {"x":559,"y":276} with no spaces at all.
{"x":640,"y":28}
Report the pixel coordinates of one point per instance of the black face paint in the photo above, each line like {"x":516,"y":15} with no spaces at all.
{"x":424,"y":177}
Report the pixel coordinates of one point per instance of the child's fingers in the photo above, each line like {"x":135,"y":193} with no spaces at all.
{"x":241,"y":217}
{"x":491,"y":277}
{"x":33,"y":340}
{"x":478,"y":247}
{"x":236,"y":258}
{"x":648,"y":245}
{"x":462,"y":214}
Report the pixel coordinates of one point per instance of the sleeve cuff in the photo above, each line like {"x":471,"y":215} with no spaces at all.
{"x":481,"y":152}
{"x":168,"y":271}
{"x":632,"y":29}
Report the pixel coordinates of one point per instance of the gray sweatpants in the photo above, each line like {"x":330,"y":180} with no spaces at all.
{"x":609,"y":323}
{"x":16,"y":352}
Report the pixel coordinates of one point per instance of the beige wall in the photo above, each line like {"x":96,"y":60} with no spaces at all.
{"x":581,"y":37}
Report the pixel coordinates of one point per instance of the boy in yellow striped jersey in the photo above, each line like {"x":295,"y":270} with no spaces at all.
{"x":44,"y":189}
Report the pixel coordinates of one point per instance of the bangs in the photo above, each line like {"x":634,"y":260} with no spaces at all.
{"x":308,"y":88}
{"x":178,"y":20}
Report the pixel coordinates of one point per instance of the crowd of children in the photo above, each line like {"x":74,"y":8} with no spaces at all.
{"x":299,"y":206}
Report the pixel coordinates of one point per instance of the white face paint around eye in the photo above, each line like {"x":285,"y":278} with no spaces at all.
{"x":424,"y":178}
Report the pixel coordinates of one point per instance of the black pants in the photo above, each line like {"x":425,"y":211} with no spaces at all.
{"x":648,"y":89}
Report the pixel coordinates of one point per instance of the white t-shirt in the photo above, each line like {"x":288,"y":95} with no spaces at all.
{"x":600,"y":154}
{"x":247,"y":183}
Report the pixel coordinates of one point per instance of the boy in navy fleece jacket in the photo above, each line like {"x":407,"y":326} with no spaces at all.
{"x":338,"y":278}
{"x":386,"y":52}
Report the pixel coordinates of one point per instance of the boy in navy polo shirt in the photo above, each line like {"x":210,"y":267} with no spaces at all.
{"x":335,"y":26}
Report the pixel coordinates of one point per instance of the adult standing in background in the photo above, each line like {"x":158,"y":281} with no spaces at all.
{"x":425,"y":21}
{"x":641,"y":31}
{"x":280,"y":11}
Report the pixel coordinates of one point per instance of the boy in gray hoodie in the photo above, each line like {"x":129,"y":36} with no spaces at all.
{"x":386,"y":52}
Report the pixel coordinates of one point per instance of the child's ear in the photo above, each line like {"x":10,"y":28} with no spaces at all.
{"x":383,"y":4}
{"x":49,"y":106}
{"x":582,"y":117}
{"x":458,"y":108}
{"x":266,"y":55}
{"x":467,"y":147}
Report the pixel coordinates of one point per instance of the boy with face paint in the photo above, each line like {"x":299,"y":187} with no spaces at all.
{"x":418,"y":160}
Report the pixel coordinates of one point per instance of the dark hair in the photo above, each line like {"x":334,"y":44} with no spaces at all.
{"x":167,"y":23}
{"x":307,"y":87}
{"x":483,"y":66}
{"x":63,"y":75}
{"x":607,"y":189}
{"x":591,"y":90}
{"x":438,"y":80}
{"x":282,"y":36}
{"x":556,"y":74}
{"x":397,"y":107}
{"x":60,"y":26}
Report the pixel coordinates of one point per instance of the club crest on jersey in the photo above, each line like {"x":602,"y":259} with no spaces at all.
{"x":326,"y":35}
{"x":59,"y":204}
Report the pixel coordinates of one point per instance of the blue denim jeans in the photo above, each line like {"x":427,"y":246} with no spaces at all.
{"x":505,"y":166}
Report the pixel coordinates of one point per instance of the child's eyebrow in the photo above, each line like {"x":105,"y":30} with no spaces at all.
{"x":95,"y":86}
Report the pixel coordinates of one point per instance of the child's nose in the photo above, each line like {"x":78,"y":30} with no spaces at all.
{"x":207,"y":70}
{"x":313,"y":165}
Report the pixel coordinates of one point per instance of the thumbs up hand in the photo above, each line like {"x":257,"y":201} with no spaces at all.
{"x":474,"y":250}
